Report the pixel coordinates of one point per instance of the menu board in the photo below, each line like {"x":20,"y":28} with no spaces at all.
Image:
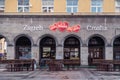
{"x":46,"y":52}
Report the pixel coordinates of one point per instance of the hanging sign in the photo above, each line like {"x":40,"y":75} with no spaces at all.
{"x":64,"y":26}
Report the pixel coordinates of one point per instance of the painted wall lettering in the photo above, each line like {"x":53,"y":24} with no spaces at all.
{"x":33,"y":28}
{"x":96,"y":27}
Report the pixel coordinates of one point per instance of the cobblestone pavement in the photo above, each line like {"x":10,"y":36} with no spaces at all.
{"x":82,"y":74}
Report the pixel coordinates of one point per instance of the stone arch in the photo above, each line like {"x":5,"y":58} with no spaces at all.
{"x":71,"y":48}
{"x":96,"y":48}
{"x":23,"y":46}
{"x":116,"y":47}
{"x":45,"y":35}
{"x":98,"y":35}
{"x":113,"y":39}
{"x":20,"y":35}
{"x":47,"y":49}
{"x":72,"y":35}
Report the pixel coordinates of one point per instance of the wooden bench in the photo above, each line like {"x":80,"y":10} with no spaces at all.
{"x":19,"y":65}
{"x":106,"y":65}
{"x":71,"y":63}
{"x":101,"y":64}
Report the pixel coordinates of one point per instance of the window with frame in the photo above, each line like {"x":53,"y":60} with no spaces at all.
{"x":47,"y":48}
{"x":23,"y":6}
{"x":2,"y":5}
{"x":71,"y":48}
{"x":96,"y":5}
{"x":117,"y":5}
{"x":47,"y":5}
{"x":72,"y":6}
{"x":116,"y":48}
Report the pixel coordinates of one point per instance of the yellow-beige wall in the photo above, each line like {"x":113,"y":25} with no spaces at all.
{"x":35,"y":5}
{"x":60,"y":5}
{"x":10,"y":5}
{"x":84,"y":5}
{"x":108,"y":5}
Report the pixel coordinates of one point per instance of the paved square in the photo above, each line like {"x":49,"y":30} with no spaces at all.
{"x":81,"y":74}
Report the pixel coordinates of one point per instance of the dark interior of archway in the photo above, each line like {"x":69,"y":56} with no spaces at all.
{"x":72,"y":48}
{"x":47,"y":41}
{"x":49,"y":44}
{"x":23,"y":41}
{"x":116,"y":49}
{"x":47,"y":49}
{"x":96,"y":49}
{"x":96,"y":41}
{"x":117,"y":42}
{"x":71,"y":41}
{"x":23,"y":46}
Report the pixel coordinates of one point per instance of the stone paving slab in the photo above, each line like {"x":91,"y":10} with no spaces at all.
{"x":82,"y":74}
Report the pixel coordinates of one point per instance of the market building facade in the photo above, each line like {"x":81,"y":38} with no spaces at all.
{"x":43,"y":29}
{"x":31,"y":36}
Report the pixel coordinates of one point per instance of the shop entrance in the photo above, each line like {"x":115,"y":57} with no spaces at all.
{"x":96,"y":49}
{"x":47,"y":50}
{"x":72,"y":49}
{"x":3,"y":48}
{"x":23,"y":48}
{"x":116,"y":51}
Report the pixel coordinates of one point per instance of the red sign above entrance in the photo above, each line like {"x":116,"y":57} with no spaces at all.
{"x":64,"y":26}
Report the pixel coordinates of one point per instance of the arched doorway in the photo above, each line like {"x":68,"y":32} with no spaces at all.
{"x":96,"y":49}
{"x":47,"y":50}
{"x":72,"y":48}
{"x":23,"y":48}
{"x":3,"y":48}
{"x":116,"y":51}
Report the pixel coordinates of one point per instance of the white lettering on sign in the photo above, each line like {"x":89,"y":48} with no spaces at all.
{"x":33,"y":28}
{"x":96,"y":27}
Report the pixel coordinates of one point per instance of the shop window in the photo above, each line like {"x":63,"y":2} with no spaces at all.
{"x":72,"y":6}
{"x":116,"y":49}
{"x":2,"y":5}
{"x":47,"y":5}
{"x":96,"y":5}
{"x":47,"y":48}
{"x":96,"y":50}
{"x":23,"y":6}
{"x":71,"y":48}
{"x":23,"y":48}
{"x":3,"y":48}
{"x":117,"y":5}
{"x":71,"y":53}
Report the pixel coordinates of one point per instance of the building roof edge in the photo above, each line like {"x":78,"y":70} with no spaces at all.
{"x":61,"y":14}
